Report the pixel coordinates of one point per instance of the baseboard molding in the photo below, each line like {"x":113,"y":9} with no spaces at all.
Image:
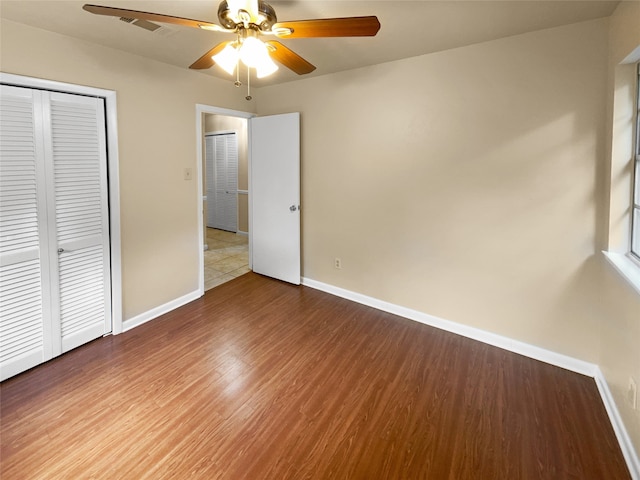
{"x":531,"y":351}
{"x":629,"y":453}
{"x":160,"y":310}
{"x":527,"y":350}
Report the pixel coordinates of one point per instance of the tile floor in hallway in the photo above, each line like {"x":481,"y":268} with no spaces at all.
{"x":226,"y":258}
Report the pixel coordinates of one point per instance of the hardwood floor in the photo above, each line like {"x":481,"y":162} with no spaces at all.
{"x":264,"y":380}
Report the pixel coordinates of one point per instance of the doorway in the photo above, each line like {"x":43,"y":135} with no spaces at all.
{"x":273,"y":192}
{"x":225,"y":194}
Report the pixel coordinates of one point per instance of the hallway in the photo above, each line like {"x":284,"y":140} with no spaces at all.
{"x":226,"y":258}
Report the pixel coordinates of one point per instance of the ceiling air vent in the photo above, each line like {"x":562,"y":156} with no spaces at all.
{"x":152,"y":27}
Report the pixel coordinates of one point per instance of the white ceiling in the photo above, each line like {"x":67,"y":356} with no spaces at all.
{"x":409,"y":28}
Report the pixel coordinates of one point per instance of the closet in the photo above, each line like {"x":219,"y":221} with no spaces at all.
{"x":55,"y":276}
{"x":221,"y":163}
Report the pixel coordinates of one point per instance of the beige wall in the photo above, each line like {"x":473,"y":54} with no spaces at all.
{"x":620,"y":331}
{"x":220,"y":123}
{"x":157,"y":141}
{"x":462,"y":183}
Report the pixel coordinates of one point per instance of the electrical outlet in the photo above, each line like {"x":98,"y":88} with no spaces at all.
{"x":337,"y":263}
{"x":632,"y":393}
{"x":187,"y":174}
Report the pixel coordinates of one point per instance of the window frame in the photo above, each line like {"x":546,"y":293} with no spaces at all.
{"x":623,"y":258}
{"x":634,"y":239}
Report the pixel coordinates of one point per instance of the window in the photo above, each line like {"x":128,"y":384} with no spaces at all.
{"x":635,"y":214}
{"x":624,"y":247}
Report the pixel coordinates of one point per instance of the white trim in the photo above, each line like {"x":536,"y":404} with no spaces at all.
{"x":114,"y":212}
{"x":626,"y":267}
{"x":114,"y":176}
{"x":160,"y":310}
{"x":200,"y":110}
{"x":43,"y":84}
{"x":521,"y":348}
{"x":628,"y":451}
{"x":223,"y":111}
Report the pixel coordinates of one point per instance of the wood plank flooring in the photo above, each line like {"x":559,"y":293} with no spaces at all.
{"x":264,"y":380}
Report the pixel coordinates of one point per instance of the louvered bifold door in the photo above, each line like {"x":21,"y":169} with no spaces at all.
{"x":231,"y":200}
{"x":78,"y":214}
{"x":226,"y":182}
{"x":25,"y":323}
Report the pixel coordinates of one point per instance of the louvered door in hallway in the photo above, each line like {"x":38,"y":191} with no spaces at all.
{"x":54,"y":226}
{"x":221,"y":152}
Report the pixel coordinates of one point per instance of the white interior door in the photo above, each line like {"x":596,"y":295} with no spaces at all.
{"x":275,"y":196}
{"x":79,"y":216}
{"x":222,"y":181}
{"x":25,"y":319}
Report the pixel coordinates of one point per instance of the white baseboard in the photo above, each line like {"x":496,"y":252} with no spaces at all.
{"x":525,"y":349}
{"x":626,"y":446}
{"x":160,"y":310}
{"x":531,"y":351}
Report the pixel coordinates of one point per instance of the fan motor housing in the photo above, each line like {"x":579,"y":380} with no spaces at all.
{"x":266,"y":18}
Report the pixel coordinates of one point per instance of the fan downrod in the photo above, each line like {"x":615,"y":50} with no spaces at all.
{"x":266,"y":16}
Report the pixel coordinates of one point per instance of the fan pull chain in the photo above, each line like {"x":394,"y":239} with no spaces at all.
{"x":237,"y":83}
{"x":248,"y":97}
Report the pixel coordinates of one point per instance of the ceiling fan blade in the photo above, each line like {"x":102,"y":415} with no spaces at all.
{"x":206,"y":61}
{"x":329,"y":27}
{"x":152,"y":17}
{"x":289,"y":58}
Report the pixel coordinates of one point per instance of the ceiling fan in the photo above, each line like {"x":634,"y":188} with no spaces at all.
{"x":250,"y":20}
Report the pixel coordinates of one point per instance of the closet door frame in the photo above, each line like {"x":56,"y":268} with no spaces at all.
{"x":109,"y":97}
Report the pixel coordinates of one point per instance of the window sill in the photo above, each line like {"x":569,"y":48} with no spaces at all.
{"x":626,"y":267}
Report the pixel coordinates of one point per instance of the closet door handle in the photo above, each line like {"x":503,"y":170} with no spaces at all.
{"x":60,"y":250}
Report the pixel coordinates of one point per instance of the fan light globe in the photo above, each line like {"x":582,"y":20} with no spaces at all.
{"x":253,"y":52}
{"x":227,"y":59}
{"x":266,"y":68}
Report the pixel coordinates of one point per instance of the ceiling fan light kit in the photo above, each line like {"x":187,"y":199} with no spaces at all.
{"x":248,"y":20}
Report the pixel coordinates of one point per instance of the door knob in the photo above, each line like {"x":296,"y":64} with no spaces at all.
{"x":60,"y":250}
{"x":293,"y":208}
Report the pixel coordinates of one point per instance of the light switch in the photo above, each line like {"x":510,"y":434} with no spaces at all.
{"x":187,"y":174}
